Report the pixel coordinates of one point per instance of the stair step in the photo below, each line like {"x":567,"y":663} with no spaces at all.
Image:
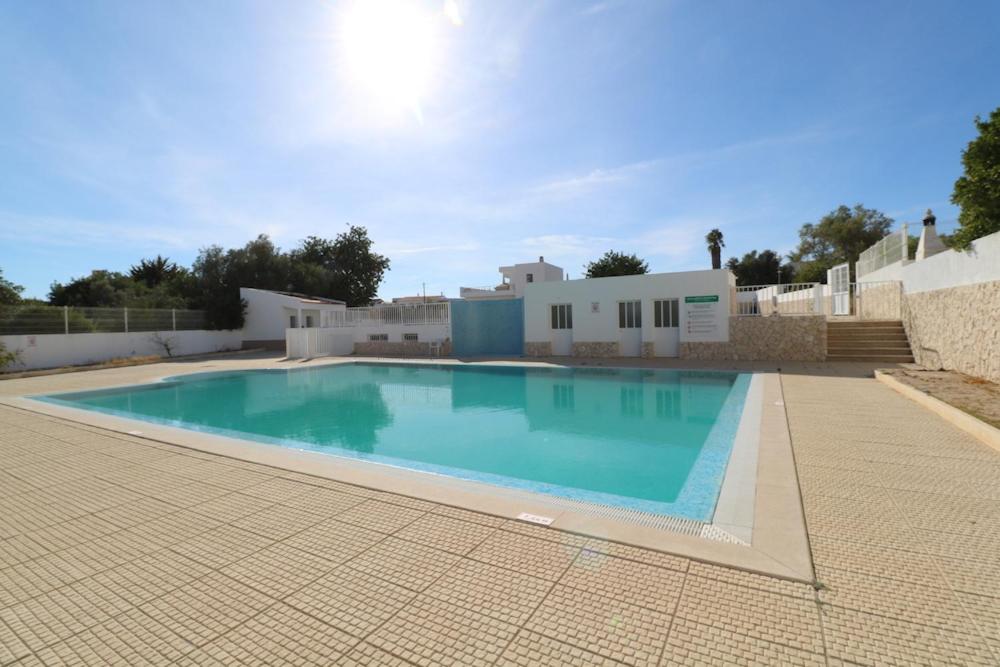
{"x":856,"y":328}
{"x":875,"y":358}
{"x":889,"y":335}
{"x":869,"y":350}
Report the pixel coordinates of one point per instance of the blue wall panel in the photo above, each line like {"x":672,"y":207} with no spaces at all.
{"x":487,"y":328}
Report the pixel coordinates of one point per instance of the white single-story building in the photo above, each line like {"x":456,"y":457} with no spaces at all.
{"x":270,"y":312}
{"x":514,"y":280}
{"x":629,"y":316}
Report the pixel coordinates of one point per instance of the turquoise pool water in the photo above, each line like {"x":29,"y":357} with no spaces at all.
{"x":652,"y":440}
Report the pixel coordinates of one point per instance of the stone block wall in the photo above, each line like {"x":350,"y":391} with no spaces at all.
{"x":596,"y":349}
{"x":957,"y":328}
{"x":540,"y":349}
{"x":773,"y":338}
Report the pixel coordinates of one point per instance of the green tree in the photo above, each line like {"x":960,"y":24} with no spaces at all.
{"x":614,"y":263}
{"x":763,"y":268}
{"x":838,"y":237}
{"x":153,"y":272}
{"x":715,"y":246}
{"x":977,"y":191}
{"x":356,"y":271}
{"x":9,"y":292}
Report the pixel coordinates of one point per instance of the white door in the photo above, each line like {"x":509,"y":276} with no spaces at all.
{"x":630,"y":328}
{"x":562,"y":329}
{"x":666,"y":328}
{"x":840,"y":288}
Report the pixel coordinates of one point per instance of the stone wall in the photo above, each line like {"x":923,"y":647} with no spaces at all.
{"x":596,"y":349}
{"x":398,"y":349}
{"x":879,"y":301}
{"x":957,"y":328}
{"x":540,"y":349}
{"x":774,"y":338}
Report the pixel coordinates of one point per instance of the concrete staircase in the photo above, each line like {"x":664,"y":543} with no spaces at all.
{"x":873,"y":340}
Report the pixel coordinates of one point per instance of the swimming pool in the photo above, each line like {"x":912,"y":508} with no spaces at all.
{"x":648,"y":440}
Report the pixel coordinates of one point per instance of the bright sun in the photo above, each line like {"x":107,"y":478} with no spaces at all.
{"x":391,"y":51}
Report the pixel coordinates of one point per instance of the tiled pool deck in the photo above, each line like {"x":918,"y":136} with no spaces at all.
{"x":118,"y":549}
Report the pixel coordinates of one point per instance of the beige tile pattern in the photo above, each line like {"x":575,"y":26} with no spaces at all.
{"x":115,"y":549}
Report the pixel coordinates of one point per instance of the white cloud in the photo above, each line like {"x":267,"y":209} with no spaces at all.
{"x":577,"y":186}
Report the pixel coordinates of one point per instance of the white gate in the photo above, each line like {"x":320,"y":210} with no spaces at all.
{"x":840,"y":288}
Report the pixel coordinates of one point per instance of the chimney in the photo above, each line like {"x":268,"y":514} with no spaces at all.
{"x":540,"y":259}
{"x":929,"y":244}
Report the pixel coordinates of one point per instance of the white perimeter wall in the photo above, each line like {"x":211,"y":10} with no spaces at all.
{"x":951,"y":268}
{"x":54,"y":350}
{"x":607,"y":292}
{"x":425,"y":332}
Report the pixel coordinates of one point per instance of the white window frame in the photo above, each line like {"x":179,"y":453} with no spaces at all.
{"x":410,"y":337}
{"x":561,"y":316}
{"x":666,"y":313}
{"x":630,"y":314}
{"x":378,"y":338}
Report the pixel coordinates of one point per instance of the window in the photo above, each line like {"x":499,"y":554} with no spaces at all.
{"x":410,"y":337}
{"x":377,"y":338}
{"x":293,"y":322}
{"x":629,"y":315}
{"x":562,"y":316}
{"x":531,"y":277}
{"x":309,"y":321}
{"x":666,"y":314}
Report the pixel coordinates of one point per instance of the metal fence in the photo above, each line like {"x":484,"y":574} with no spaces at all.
{"x":788,"y":299}
{"x":893,"y":248}
{"x":33,"y":319}
{"x":869,"y":300}
{"x":397,"y":313}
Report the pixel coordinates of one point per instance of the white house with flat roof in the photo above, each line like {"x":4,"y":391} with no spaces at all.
{"x":270,"y":312}
{"x":514,"y":279}
{"x":627,"y":316}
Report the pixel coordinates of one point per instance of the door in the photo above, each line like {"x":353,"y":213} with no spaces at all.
{"x":630,"y":328}
{"x":666,"y":327}
{"x":562,"y":329}
{"x":840,"y":288}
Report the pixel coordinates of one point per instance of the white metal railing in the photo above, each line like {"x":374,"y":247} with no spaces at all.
{"x":893,"y":248}
{"x":787,"y":299}
{"x":869,"y":300}
{"x":388,"y":314}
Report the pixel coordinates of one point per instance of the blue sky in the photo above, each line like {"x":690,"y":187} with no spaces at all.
{"x":561,"y":129}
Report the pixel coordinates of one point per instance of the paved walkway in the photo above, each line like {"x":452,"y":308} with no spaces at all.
{"x":115,"y":549}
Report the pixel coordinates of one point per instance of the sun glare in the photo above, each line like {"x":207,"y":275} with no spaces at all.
{"x":391,"y":51}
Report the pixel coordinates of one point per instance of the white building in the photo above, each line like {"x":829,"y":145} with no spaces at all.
{"x":269,"y":313}
{"x":514,"y":279}
{"x":646,"y":315}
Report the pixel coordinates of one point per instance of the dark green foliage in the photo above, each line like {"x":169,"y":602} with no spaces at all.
{"x":977,"y":191}
{"x":344,"y":268}
{"x":838,"y":237}
{"x":760,"y":268}
{"x":614,"y":263}
{"x":9,"y":292}
{"x":153,"y":272}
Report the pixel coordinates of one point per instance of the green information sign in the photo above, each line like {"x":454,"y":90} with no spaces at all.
{"x":709,"y":298}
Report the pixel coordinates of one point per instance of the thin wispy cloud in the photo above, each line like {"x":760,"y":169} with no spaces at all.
{"x":595,"y":179}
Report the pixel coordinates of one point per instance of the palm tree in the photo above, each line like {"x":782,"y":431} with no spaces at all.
{"x":715,"y":246}
{"x":154,"y":271}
